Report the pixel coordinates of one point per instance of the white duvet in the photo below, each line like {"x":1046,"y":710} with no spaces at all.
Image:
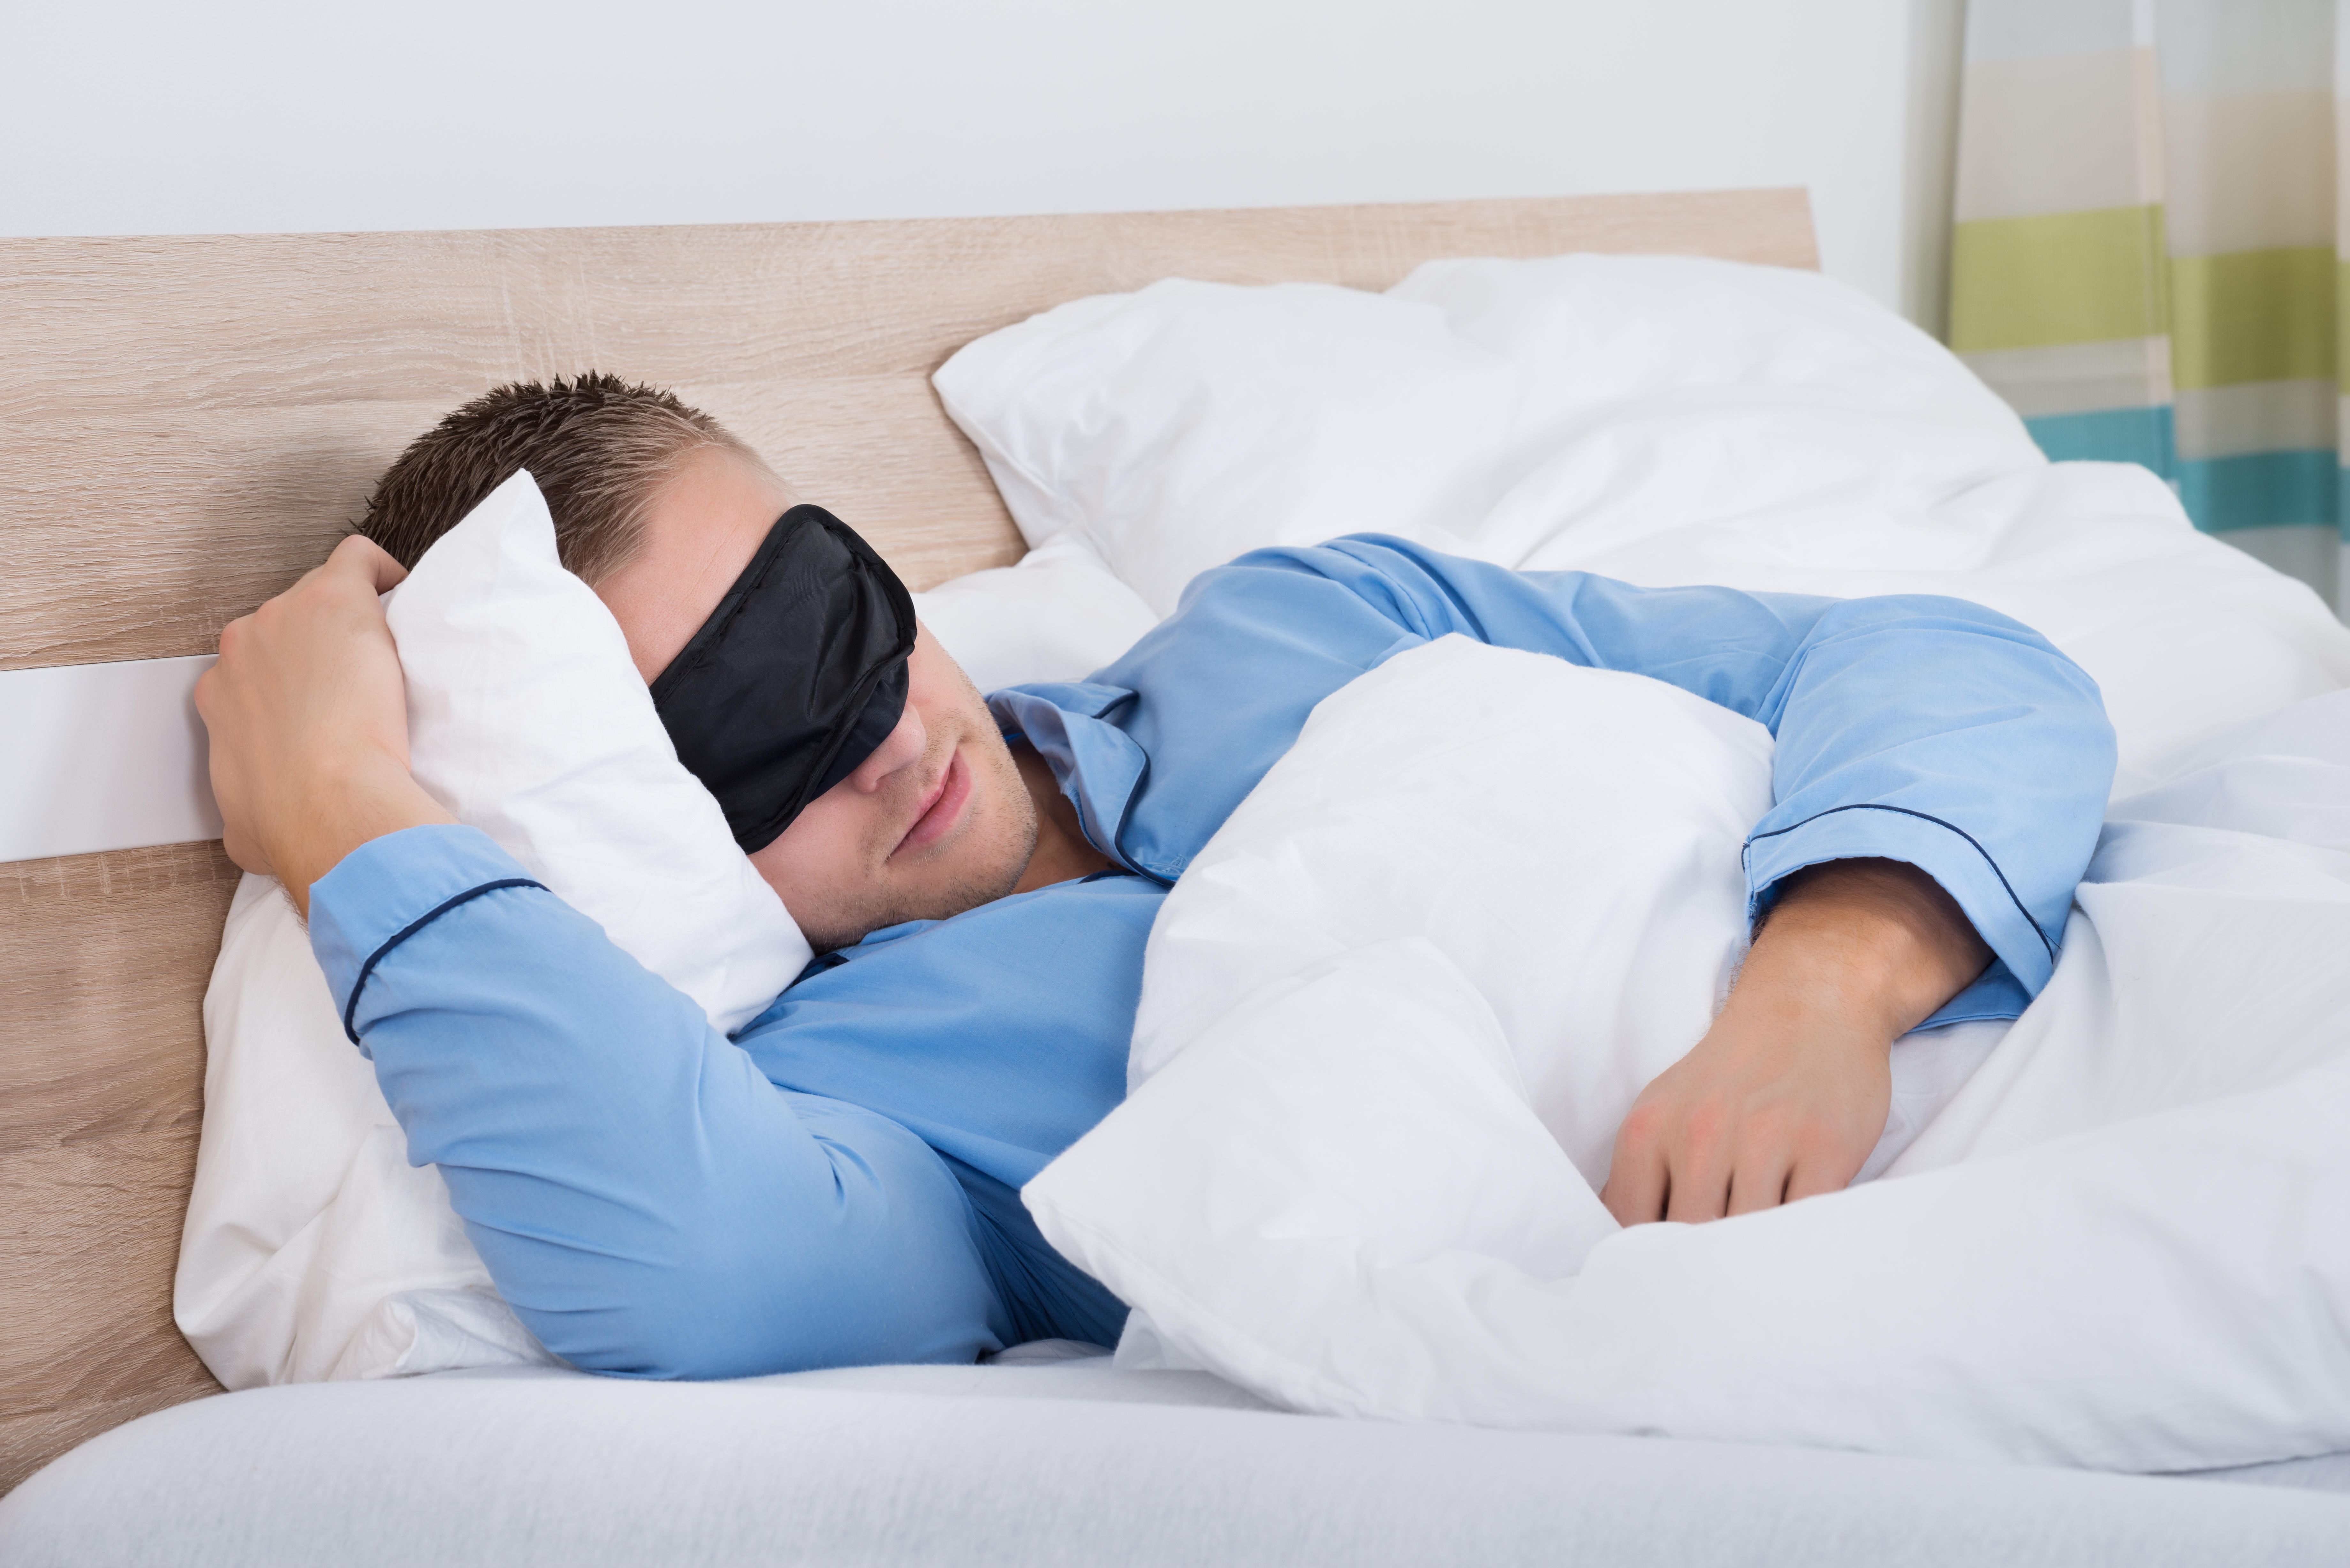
{"x":1392,"y":1015}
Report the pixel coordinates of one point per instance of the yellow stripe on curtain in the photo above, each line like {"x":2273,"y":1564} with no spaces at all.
{"x":2091,"y":278}
{"x":2253,"y":316}
{"x":2064,"y":277}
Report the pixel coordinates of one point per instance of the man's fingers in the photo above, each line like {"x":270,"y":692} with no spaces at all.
{"x":1816,"y":1174}
{"x":1758,"y":1183}
{"x":1699,"y":1179}
{"x":1720,"y":1133}
{"x":306,"y":686}
{"x":358,"y":562}
{"x":247,"y":855}
{"x":363,"y":555}
{"x":1634,"y":1192}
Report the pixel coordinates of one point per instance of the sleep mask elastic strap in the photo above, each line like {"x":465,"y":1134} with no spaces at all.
{"x":796,"y":678}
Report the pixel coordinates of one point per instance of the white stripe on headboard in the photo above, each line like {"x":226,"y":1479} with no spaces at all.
{"x":103,"y":756}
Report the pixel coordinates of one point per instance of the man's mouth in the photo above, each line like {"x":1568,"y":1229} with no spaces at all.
{"x":941,"y":808}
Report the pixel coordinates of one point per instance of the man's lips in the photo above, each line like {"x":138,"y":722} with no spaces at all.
{"x":941,"y":808}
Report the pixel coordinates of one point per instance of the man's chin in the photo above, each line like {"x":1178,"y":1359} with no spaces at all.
{"x":982,"y":862}
{"x":957,"y":897}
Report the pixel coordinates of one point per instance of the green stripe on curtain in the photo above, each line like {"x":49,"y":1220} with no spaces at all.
{"x":2108,"y":435}
{"x":2261,"y":489}
{"x":2253,"y":316}
{"x":2064,"y":277}
{"x":2342,"y":325}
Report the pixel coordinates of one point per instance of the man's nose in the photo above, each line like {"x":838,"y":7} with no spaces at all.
{"x":902,"y":748}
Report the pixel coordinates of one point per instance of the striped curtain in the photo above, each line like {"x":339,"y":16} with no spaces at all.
{"x":2146,"y":261}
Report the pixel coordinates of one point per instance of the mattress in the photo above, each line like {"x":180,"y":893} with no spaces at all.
{"x":1048,"y":1462}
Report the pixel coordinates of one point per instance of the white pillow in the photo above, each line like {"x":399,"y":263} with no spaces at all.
{"x":1177,"y":427}
{"x":1058,"y":614}
{"x":312,"y":1249}
{"x":1657,"y":419}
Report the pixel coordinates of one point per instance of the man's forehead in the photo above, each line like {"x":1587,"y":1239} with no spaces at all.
{"x":701,"y":529}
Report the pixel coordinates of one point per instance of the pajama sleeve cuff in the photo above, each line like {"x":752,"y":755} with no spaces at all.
{"x":389,"y":889}
{"x":1944,"y":852}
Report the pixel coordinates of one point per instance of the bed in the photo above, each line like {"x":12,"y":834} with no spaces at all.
{"x":195,"y":421}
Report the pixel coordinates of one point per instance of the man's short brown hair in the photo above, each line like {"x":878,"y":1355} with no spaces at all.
{"x":598,"y":447}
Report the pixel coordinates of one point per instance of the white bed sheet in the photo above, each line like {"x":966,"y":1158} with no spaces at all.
{"x":1069,"y":1463}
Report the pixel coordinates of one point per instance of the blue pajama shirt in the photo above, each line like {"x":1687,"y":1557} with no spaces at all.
{"x":838,"y":1183}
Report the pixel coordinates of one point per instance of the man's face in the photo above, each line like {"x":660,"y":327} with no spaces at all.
{"x":936,"y":821}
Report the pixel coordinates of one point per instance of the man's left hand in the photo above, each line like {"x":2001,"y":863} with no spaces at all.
{"x":1788,"y":1092}
{"x":307,"y":714}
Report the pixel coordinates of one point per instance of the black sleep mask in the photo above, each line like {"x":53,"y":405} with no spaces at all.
{"x":797,"y":675}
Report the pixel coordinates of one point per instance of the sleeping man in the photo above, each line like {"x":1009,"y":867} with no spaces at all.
{"x":839,"y":1182}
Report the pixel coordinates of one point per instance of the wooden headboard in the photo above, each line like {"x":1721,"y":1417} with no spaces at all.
{"x":188,"y":423}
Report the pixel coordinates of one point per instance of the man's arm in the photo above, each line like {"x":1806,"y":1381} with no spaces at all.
{"x":1944,"y":767}
{"x":646,"y":1201}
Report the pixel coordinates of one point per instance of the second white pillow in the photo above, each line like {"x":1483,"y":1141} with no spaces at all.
{"x":312,"y":1247}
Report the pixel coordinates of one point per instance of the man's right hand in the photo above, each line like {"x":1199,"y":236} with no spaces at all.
{"x":309,"y":716}
{"x":1787,"y":1094}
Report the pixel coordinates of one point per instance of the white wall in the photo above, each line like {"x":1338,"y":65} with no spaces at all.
{"x":245,"y":115}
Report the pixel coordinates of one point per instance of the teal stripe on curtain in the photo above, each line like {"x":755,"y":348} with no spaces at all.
{"x":2261,"y":489}
{"x":2255,"y":489}
{"x":2110,"y":435}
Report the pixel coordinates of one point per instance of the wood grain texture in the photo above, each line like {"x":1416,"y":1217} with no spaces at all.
{"x":192,"y":421}
{"x":103,"y":962}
